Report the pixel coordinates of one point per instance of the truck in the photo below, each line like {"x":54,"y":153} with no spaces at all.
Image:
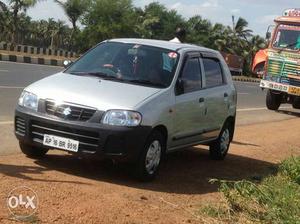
{"x":235,"y":63}
{"x":281,"y":62}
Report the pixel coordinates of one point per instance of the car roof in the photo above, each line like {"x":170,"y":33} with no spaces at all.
{"x":163,"y":44}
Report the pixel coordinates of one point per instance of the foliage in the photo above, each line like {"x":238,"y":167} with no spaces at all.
{"x":275,"y":200}
{"x":106,"y":19}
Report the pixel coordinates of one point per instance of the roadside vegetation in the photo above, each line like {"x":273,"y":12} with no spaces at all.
{"x":96,"y":20}
{"x":276,"y":199}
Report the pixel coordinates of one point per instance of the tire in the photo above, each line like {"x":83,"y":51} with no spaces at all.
{"x":219,"y":148}
{"x":32,"y":151}
{"x":150,"y":159}
{"x":296,"y":102}
{"x":273,"y":100}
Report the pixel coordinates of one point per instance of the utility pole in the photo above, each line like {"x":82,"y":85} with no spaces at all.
{"x":233,"y":22}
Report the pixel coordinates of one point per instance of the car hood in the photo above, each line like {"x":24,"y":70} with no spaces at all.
{"x":91,"y":91}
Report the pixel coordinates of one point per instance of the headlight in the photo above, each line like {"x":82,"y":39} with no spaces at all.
{"x":28,"y":100}
{"x":122,"y":118}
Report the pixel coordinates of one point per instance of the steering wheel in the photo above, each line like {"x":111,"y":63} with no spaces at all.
{"x":114,"y":69}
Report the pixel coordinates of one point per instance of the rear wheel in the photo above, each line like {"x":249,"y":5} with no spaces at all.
{"x":273,"y":100}
{"x":149,"y":161}
{"x":219,"y":148}
{"x":296,"y":102}
{"x":32,"y":151}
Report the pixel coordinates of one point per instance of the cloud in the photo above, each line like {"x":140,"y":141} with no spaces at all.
{"x":210,"y":4}
{"x":266,"y":19}
{"x":207,"y":9}
{"x":235,"y":11}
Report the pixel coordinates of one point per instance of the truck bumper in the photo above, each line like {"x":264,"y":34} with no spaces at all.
{"x":289,"y":89}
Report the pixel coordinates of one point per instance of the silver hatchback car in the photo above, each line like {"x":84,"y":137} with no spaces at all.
{"x":131,"y":100}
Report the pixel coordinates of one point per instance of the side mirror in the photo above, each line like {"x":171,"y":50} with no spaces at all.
{"x":268,"y":35}
{"x":67,"y":63}
{"x":179,"y":87}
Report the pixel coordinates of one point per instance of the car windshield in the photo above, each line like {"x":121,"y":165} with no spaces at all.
{"x":287,"y":37}
{"x":132,"y":63}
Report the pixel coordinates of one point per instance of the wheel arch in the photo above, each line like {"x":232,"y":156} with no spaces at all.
{"x":230,"y":121}
{"x":163,"y":130}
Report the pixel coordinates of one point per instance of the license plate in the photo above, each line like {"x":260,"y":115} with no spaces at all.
{"x":61,"y":143}
{"x":294,"y":90}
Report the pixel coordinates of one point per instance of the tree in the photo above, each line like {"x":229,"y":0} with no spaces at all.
{"x":17,"y":6}
{"x":74,"y":9}
{"x":6,"y":23}
{"x":199,"y":31}
{"x":240,"y":29}
{"x":3,"y":6}
{"x":165,"y":21}
{"x":106,"y":19}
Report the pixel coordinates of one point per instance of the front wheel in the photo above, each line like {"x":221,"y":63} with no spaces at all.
{"x":32,"y":151}
{"x":219,"y":148}
{"x":273,"y":100}
{"x":296,"y":102}
{"x":149,"y":161}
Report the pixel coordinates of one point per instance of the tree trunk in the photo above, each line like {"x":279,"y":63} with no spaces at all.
{"x":72,"y":34}
{"x":15,"y":23}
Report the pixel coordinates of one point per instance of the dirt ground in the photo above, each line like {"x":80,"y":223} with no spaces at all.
{"x":73,"y":190}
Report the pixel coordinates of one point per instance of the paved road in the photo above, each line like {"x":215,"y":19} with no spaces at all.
{"x":15,"y":76}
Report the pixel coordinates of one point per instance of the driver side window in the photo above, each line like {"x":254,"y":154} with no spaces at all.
{"x":191,"y":75}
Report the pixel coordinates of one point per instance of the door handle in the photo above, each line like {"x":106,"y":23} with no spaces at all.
{"x":201,"y":100}
{"x":225,"y":94}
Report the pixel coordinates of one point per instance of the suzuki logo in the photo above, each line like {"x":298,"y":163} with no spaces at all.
{"x":67,"y":111}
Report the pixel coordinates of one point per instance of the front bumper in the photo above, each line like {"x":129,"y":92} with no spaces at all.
{"x":120,"y":143}
{"x":289,"y":89}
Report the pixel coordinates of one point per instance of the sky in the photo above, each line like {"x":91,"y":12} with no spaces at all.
{"x":259,"y":13}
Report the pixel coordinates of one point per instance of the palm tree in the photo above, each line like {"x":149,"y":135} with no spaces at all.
{"x":74,"y":9}
{"x":255,"y":44}
{"x":6,"y":27}
{"x":3,"y":6}
{"x":240,"y":29}
{"x":17,"y":6}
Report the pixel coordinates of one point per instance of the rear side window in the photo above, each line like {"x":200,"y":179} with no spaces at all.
{"x":191,"y":75}
{"x":213,"y":72}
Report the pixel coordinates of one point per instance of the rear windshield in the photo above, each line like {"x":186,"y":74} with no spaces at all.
{"x":134,"y":63}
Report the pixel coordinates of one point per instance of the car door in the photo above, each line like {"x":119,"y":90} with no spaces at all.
{"x":189,"y":103}
{"x":217,"y":98}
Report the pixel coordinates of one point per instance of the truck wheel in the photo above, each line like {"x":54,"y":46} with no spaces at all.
{"x":219,"y":148}
{"x":149,"y":161}
{"x":296,"y":102}
{"x":273,"y":100}
{"x":32,"y":151}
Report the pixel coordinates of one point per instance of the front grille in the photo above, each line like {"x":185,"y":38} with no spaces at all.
{"x":88,"y":140}
{"x":69,"y":112}
{"x":283,"y":68}
{"x":20,"y":126}
{"x":274,"y":67}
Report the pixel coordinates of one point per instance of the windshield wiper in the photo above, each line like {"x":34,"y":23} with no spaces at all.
{"x":147,"y":82}
{"x":98,"y":74}
{"x":287,"y":46}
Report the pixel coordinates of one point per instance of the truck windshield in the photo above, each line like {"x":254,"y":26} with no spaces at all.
{"x":287,"y":37}
{"x":133,"y":63}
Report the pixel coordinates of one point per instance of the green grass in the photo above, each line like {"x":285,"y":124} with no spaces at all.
{"x":276,"y":199}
